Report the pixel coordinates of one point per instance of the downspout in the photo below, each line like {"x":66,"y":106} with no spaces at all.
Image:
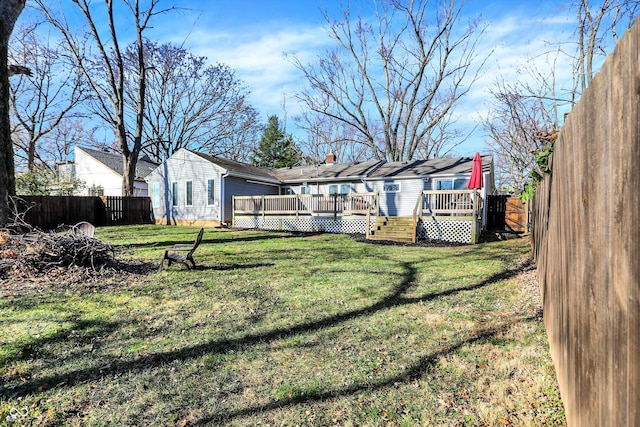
{"x":222,"y":204}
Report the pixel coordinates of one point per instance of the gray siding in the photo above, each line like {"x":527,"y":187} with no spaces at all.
{"x":180,"y":168}
{"x":234,"y":186}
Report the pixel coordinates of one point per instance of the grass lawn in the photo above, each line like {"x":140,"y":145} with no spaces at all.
{"x":280,"y":329}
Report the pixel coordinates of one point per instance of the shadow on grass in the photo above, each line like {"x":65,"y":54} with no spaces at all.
{"x":231,"y":239}
{"x":80,"y":331}
{"x":414,"y":372}
{"x":221,"y":267}
{"x":224,"y":346}
{"x":177,"y":267}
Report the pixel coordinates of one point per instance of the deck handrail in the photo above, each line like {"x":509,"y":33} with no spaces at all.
{"x":447,"y":203}
{"x":306,"y":204}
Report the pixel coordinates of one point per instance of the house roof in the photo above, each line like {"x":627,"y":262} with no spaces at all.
{"x":238,"y":168}
{"x":114,"y":162}
{"x":321,"y":172}
{"x":370,"y":170}
{"x":420,"y":168}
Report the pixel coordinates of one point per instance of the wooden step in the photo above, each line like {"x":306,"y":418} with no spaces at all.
{"x":396,"y":229}
{"x":407,"y":239}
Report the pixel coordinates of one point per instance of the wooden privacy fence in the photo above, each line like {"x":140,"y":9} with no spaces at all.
{"x":586,"y":242}
{"x":507,"y":213}
{"x":127,"y":210}
{"x":48,"y":212}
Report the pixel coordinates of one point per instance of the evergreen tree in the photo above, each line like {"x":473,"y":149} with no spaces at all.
{"x":276,"y":149}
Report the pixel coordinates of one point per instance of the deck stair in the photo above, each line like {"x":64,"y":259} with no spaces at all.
{"x":395,"y":229}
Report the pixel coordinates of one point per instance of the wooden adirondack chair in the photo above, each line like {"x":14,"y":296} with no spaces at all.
{"x":172,"y":254}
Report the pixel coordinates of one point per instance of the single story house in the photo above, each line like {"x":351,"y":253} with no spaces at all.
{"x":101,"y":172}
{"x":398,"y":183}
{"x":196,"y":188}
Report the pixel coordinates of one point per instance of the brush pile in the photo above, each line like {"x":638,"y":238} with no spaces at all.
{"x":37,"y":253}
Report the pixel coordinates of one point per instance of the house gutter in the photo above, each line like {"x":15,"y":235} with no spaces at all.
{"x":253,"y":178}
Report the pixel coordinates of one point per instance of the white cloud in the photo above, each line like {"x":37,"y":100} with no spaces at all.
{"x":256,"y":52}
{"x":519,"y":45}
{"x":259,"y":59}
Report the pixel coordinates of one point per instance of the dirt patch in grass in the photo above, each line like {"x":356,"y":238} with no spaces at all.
{"x":426,"y":243}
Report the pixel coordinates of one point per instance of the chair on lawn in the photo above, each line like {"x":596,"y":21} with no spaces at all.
{"x":172,"y":254}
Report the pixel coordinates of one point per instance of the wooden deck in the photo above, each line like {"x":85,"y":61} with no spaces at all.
{"x":450,"y":214}
{"x":307,"y":204}
{"x":455,"y":204}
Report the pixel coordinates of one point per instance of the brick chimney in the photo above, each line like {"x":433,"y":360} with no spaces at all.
{"x":331,"y":158}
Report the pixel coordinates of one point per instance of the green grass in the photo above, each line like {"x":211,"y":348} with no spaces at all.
{"x":279,"y":329}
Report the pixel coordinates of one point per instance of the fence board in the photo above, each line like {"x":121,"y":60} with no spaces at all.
{"x":586,"y":222}
{"x":49,"y":212}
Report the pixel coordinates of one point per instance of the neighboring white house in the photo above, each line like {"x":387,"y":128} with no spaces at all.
{"x":195,"y":188}
{"x":101,"y":173}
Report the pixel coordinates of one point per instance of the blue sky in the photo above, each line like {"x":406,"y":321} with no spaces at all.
{"x":252,"y":37}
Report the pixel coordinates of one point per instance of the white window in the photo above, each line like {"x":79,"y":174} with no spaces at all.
{"x":390,"y":187}
{"x":211,"y":192}
{"x":174,"y":194}
{"x":156,"y":194}
{"x":189,"y":192}
{"x":305,"y":190}
{"x":340,"y":189}
{"x":451,"y":184}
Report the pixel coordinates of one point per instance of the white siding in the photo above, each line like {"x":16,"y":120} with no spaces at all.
{"x":94,"y":173}
{"x":398,"y":203}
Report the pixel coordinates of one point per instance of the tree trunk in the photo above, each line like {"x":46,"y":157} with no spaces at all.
{"x":9,"y":12}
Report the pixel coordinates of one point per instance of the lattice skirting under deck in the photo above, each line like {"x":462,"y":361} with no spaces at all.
{"x":342,"y":225}
{"x":448,"y":229}
{"x":459,"y":230}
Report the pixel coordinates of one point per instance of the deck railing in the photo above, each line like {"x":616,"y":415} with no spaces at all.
{"x":447,"y":203}
{"x":307,"y":204}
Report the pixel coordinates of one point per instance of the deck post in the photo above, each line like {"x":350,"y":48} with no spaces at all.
{"x":368,"y":225}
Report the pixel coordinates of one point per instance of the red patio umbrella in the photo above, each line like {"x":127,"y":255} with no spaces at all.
{"x":476,"y":180}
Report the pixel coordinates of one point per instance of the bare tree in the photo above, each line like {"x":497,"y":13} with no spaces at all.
{"x":394,"y":79}
{"x":190,"y":103}
{"x":41,"y":101}
{"x":59,"y":143}
{"x":525,"y":112}
{"x":9,"y":12}
{"x":513,"y":126}
{"x":597,"y":27}
{"x":323,"y":135}
{"x":100,"y":59}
